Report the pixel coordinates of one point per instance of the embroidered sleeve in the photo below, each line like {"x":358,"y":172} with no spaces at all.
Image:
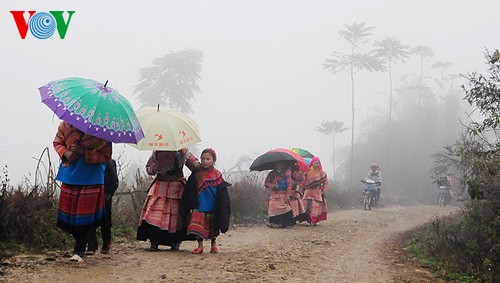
{"x":289,"y":181}
{"x":100,"y":155}
{"x":324,"y":178}
{"x":298,"y":177}
{"x":191,"y":161}
{"x":59,"y":142}
{"x":270,"y":181}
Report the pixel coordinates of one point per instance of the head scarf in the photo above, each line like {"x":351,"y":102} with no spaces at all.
{"x":316,"y":159}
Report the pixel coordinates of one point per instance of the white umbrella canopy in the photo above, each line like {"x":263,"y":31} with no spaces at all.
{"x":166,"y":129}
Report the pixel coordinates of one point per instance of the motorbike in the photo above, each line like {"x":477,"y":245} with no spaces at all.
{"x":369,"y":193}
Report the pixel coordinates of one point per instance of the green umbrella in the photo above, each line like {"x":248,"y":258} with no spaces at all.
{"x":94,"y":108}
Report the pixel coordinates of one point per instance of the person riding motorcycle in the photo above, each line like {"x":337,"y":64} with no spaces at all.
{"x":376,"y":176}
{"x":445,"y":181}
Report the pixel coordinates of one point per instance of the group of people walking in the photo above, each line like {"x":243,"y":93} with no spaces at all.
{"x":174,"y":210}
{"x":296,"y":196}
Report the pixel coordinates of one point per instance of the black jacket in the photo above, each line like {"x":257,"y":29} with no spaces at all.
{"x":110,"y":179}
{"x":222,"y":211}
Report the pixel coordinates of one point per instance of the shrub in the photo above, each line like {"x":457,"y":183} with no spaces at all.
{"x":465,"y":244}
{"x":248,"y":200}
{"x":339,"y":198}
{"x":28,"y":221}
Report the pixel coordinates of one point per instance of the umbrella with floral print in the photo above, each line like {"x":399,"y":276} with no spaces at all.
{"x":94,"y":108}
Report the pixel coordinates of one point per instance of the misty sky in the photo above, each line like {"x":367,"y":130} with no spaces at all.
{"x":262,"y":84}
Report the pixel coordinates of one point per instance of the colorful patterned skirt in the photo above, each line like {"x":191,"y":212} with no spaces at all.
{"x":279,"y":210}
{"x":202,"y":225}
{"x":80,"y":207}
{"x":298,"y":207}
{"x":316,"y":210}
{"x":160,"y":220}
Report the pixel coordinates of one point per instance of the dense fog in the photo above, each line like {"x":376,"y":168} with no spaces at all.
{"x":264,"y":80}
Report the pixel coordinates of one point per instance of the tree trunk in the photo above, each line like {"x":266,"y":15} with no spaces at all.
{"x":333,"y":156}
{"x":352,"y":129}
{"x":421,"y":79}
{"x":390,"y":116}
{"x":421,"y":69}
{"x":442,"y":84}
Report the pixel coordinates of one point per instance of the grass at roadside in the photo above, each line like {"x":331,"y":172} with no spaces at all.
{"x":443,"y":246}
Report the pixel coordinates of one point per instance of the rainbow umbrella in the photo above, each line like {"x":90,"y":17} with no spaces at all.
{"x":302,"y":152}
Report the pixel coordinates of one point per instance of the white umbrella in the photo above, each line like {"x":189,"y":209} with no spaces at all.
{"x":166,"y":129}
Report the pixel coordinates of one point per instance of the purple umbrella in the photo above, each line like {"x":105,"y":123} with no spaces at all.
{"x":94,"y":108}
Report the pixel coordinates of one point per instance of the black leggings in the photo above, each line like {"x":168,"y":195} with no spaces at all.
{"x":105,"y":230}
{"x":80,"y":242}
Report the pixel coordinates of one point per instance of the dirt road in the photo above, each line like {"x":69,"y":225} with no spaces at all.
{"x":352,"y":246}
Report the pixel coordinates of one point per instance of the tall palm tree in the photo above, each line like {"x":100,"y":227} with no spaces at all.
{"x":424,"y":52}
{"x":392,"y":51}
{"x":441,"y":66}
{"x":357,"y":36}
{"x":172,"y":80}
{"x":332,"y":128}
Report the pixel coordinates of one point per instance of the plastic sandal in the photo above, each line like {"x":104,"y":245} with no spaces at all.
{"x":197,"y":251}
{"x":90,"y":252}
{"x":214,"y":250}
{"x":76,"y":258}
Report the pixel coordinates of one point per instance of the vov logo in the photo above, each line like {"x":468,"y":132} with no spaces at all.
{"x":42,"y":25}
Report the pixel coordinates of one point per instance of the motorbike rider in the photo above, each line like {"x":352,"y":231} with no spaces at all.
{"x":376,"y":176}
{"x":447,"y":183}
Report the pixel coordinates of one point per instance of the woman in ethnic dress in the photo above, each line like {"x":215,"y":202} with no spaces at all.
{"x":279,"y":182}
{"x":81,"y":202}
{"x":296,"y":202}
{"x":315,"y":185}
{"x":162,"y":221}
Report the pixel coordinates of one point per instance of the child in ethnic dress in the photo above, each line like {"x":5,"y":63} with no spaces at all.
{"x":211,"y":209}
